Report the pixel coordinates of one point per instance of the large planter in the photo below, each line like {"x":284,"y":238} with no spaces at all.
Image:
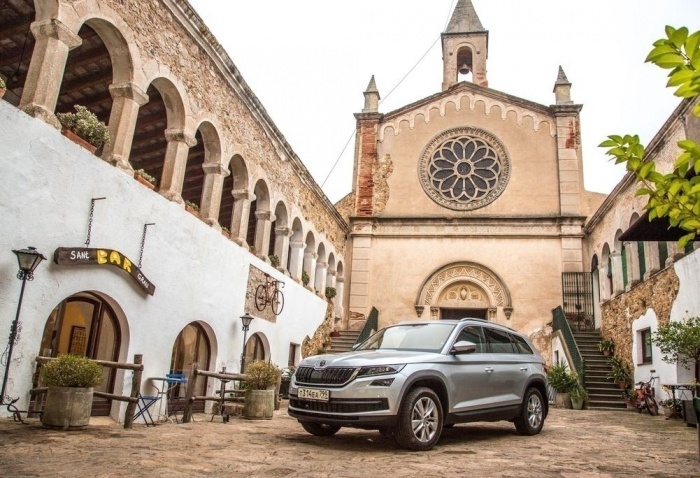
{"x":259,"y":404}
{"x":67,"y":408}
{"x":577,"y":404}
{"x":563,"y":400}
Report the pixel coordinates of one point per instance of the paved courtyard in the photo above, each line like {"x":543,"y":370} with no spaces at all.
{"x":573,"y":443}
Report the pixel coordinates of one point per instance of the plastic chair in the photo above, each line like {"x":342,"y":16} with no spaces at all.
{"x":145,"y":403}
{"x":176,"y":404}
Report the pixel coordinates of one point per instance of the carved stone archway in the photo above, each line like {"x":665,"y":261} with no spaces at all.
{"x":464,"y":284}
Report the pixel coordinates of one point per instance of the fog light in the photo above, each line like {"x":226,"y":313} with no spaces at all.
{"x":383,"y":382}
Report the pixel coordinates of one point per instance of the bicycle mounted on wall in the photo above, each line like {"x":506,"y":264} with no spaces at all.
{"x":270,"y":293}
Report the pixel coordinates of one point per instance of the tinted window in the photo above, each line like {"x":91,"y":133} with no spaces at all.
{"x":474,"y":335}
{"x":499,"y":342}
{"x":521,"y":345}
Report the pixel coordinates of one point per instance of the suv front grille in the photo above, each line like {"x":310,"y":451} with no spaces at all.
{"x":341,"y":405}
{"x":331,"y":376}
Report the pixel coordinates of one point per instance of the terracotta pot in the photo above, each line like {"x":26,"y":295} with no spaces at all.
{"x":78,"y":140}
{"x":144,"y":181}
{"x":259,"y":404}
{"x":563,"y":400}
{"x":67,"y":408}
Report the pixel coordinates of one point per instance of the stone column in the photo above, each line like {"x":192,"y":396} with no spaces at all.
{"x":179,"y":144}
{"x":282,"y":235}
{"x":330,"y":278}
{"x":214,"y":174}
{"x":239,"y":217}
{"x":339,"y":290}
{"x":53,"y":42}
{"x":320,"y":279}
{"x":632,"y":264}
{"x":651,"y":255}
{"x":127,"y":98}
{"x":618,"y":284}
{"x":262,"y":232}
{"x":310,"y":267}
{"x":603,"y":282}
{"x":674,"y":253}
{"x":296,"y":260}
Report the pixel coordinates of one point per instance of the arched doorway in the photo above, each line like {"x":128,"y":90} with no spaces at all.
{"x":85,"y":324}
{"x":463,"y":299}
{"x":255,"y":348}
{"x":191,"y":346}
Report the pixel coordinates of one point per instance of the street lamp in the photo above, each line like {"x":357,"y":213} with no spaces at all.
{"x":28,"y":260}
{"x":246,"y":319}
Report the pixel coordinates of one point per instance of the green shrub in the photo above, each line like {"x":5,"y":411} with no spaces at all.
{"x":2,"y":84}
{"x":274,"y":260}
{"x":145,"y":175}
{"x":261,"y":375}
{"x":330,"y":293}
{"x":85,"y":124}
{"x":71,"y":371}
{"x":305,"y":277}
{"x":561,"y":379}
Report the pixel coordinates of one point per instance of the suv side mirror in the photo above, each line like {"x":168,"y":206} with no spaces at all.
{"x":463,"y":347}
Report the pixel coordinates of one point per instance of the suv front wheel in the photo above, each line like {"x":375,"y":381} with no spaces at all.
{"x":531,"y":417}
{"x":420,"y":420}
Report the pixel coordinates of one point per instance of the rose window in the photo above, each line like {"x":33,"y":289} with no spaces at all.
{"x":464,"y":171}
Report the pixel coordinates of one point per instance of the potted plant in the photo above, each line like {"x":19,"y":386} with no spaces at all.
{"x":70,"y":379}
{"x":261,"y":380}
{"x":607,"y":347}
{"x":578,"y":395}
{"x":144,"y":178}
{"x":274,"y":260}
{"x":630,"y":397}
{"x":85,"y":125}
{"x":671,"y":407}
{"x":330,"y":293}
{"x":620,"y":372}
{"x":192,"y":208}
{"x":563,"y":381}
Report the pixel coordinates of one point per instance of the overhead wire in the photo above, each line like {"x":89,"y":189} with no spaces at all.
{"x":389,"y":94}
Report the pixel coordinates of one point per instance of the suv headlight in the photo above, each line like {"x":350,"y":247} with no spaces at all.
{"x":379,"y":370}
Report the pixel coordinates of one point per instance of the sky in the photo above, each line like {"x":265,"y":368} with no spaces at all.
{"x":309,"y":61}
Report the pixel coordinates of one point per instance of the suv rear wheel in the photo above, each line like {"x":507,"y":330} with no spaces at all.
{"x":320,"y":429}
{"x":420,"y":420}
{"x":531,"y":417}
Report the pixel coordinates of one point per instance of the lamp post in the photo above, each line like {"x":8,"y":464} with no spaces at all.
{"x":246,"y":319}
{"x":28,"y":260}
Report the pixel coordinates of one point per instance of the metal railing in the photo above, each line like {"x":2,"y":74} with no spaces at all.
{"x":560,"y":323}
{"x":370,"y":326}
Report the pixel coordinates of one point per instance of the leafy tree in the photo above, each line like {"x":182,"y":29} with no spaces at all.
{"x":675,"y":195}
{"x":680,"y":343}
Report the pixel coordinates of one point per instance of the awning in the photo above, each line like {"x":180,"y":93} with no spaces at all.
{"x":657,"y":230}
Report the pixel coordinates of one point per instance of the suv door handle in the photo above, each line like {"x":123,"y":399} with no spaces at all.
{"x":488,"y":369}
{"x":523,"y":369}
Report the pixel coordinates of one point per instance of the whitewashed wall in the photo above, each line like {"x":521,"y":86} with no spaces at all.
{"x":46,"y":184}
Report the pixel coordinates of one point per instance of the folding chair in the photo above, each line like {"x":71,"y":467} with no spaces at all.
{"x":145,"y":403}
{"x":176,"y":403}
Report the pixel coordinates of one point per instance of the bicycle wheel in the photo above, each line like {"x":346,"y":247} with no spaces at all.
{"x":260,"y":297}
{"x":277,"y":302}
{"x":652,"y":406}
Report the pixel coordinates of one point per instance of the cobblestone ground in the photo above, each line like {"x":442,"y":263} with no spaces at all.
{"x":572,"y":443}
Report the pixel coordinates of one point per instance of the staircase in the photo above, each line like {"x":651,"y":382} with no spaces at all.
{"x":603,"y":392}
{"x":344,"y":341}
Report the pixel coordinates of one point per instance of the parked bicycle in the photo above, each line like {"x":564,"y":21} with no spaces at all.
{"x":270,"y":293}
{"x":645,"y":396}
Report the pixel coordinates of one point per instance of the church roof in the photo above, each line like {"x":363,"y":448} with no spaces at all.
{"x":464,"y":19}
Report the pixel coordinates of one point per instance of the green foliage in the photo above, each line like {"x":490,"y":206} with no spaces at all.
{"x":274,"y":260}
{"x":679,"y":342}
{"x":2,"y":84}
{"x":71,"y":371}
{"x":561,"y":378}
{"x":330,"y":293}
{"x":578,"y":392}
{"x":261,"y":375}
{"x":620,"y":371}
{"x":145,"y":175}
{"x":606,"y":345}
{"x":675,"y":195}
{"x":192,"y":205}
{"x":305,"y":277}
{"x":85,"y":124}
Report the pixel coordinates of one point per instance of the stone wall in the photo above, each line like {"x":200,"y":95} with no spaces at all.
{"x":321,"y":339}
{"x":620,"y":312}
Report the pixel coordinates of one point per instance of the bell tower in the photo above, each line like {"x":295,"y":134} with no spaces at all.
{"x":465,"y":46}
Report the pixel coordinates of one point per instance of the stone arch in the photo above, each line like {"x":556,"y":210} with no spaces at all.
{"x":235,"y":197}
{"x":119,"y":49}
{"x":295,"y":254}
{"x":259,"y":218}
{"x":321,"y":269}
{"x":174,"y":103}
{"x":279,"y":241}
{"x":476,"y":279}
{"x":310,"y":255}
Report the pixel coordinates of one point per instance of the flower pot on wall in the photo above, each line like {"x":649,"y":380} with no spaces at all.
{"x":259,"y":404}
{"x":78,"y":140}
{"x":67,"y":408}
{"x":144,"y":181}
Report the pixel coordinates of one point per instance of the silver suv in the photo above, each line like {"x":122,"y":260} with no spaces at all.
{"x":413,"y":379}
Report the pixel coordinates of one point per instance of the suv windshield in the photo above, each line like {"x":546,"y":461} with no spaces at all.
{"x":419,"y":337}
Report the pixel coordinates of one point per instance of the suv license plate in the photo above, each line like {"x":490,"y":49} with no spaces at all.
{"x":313,"y":394}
